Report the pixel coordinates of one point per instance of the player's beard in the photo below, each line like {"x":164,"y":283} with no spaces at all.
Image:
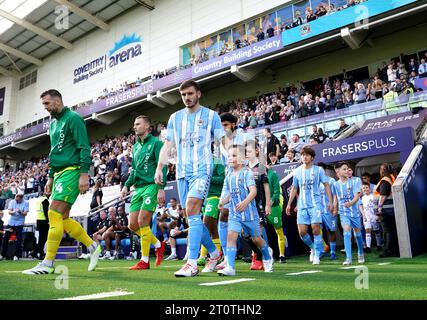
{"x":53,"y":112}
{"x":192,"y":103}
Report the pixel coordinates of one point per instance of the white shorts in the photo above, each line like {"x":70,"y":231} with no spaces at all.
{"x":371,"y":222}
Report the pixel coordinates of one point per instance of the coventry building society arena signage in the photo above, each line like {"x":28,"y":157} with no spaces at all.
{"x":117,"y":55}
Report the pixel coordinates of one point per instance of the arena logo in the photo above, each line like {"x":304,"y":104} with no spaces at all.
{"x":127,"y":48}
{"x":125,"y":55}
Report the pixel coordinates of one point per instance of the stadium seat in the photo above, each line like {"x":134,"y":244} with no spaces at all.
{"x":125,"y":245}
{"x":181,"y":247}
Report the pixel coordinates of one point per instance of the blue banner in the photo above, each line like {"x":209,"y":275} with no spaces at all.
{"x":340,"y":19}
{"x":415,"y":190}
{"x":368,"y":145}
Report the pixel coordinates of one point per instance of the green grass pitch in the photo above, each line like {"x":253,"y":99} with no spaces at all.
{"x":400,"y":279}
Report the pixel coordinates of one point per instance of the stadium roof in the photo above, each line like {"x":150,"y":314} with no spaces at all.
{"x":28,"y":32}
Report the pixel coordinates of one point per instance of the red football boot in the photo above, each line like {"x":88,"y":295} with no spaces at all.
{"x":141,"y":265}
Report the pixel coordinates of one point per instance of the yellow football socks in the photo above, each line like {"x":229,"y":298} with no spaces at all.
{"x":74,"y":229}
{"x":281,"y":238}
{"x":55,"y":234}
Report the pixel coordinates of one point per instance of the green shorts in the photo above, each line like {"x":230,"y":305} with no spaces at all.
{"x":66,"y":185}
{"x":275,"y":217}
{"x":144,"y":198}
{"x":211,"y":207}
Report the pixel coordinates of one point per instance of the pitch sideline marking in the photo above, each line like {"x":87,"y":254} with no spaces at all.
{"x":303,"y":272}
{"x":221,"y":283}
{"x":100,"y":295}
{"x":384,"y":263}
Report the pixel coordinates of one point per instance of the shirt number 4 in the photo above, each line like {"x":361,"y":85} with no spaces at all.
{"x":58,"y":187}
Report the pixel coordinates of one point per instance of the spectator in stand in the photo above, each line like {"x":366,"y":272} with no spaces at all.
{"x":321,"y":10}
{"x":273,"y":159}
{"x":112,"y":162}
{"x":109,"y":234}
{"x":273,"y":144}
{"x":116,"y":178}
{"x":360,"y":93}
{"x":121,"y":231}
{"x":399,"y":86}
{"x":312,"y":141}
{"x":296,"y":143}
{"x":348,"y":99}
{"x":322,"y":137}
{"x":309,"y":15}
{"x":178,"y":229}
{"x":391,"y":73}
{"x":125,"y":165}
{"x":18,"y":210}
{"x":260,"y":35}
{"x":297,"y":20}
{"x":96,"y":195}
{"x":401,"y":71}
{"x":290,"y":157}
{"x":412,"y":66}
{"x":100,"y":229}
{"x":413,"y":77}
{"x":289,"y":110}
{"x":253,"y":122}
{"x":329,"y":103}
{"x":283,"y":146}
{"x":315,"y":133}
{"x":377,"y":87}
{"x":319,"y":106}
{"x":343,"y":127}
{"x":339,"y":100}
{"x":270,"y":31}
{"x":422,"y":69}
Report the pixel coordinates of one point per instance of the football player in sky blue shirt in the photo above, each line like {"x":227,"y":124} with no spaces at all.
{"x":307,"y":180}
{"x":233,"y":136}
{"x":346,"y":203}
{"x":240,"y":191}
{"x":328,"y":218}
{"x":192,"y":130}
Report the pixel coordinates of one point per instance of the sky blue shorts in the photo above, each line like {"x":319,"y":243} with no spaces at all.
{"x":193,"y":187}
{"x":250,"y":228}
{"x":353,"y":222}
{"x":330,"y":221}
{"x":309,"y":216}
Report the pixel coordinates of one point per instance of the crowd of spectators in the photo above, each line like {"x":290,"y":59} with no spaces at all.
{"x":311,"y":14}
{"x":112,"y":156}
{"x":300,"y":18}
{"x":298,"y":101}
{"x":28,"y":177}
{"x":111,"y":159}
